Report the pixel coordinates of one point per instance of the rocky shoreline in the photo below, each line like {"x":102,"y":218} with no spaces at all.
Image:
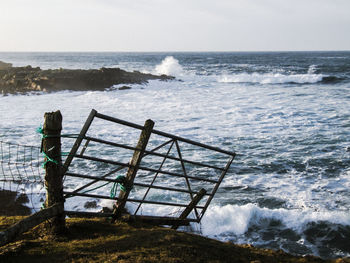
{"x":17,"y":80}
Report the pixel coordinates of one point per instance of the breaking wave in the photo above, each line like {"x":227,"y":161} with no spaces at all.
{"x":169,"y":66}
{"x":241,"y":223}
{"x":278,"y":78}
{"x":236,"y":219}
{"x":271,"y":78}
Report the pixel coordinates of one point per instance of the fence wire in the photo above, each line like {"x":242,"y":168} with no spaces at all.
{"x":21,"y":178}
{"x":20,"y":163}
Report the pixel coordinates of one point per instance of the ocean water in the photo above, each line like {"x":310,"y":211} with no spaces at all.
{"x":285,"y":114}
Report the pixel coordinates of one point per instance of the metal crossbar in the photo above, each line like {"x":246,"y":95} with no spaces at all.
{"x":164,"y":134}
{"x":91,"y":158}
{"x":149,"y":152}
{"x":204,"y":196}
{"x":154,"y":178}
{"x":133,"y":200}
{"x":102,"y":178}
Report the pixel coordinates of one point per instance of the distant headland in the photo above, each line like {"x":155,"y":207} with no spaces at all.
{"x":16,"y":80}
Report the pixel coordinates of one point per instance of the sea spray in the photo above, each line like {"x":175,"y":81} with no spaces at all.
{"x":312,"y":70}
{"x":227,"y":219}
{"x":170,"y":66}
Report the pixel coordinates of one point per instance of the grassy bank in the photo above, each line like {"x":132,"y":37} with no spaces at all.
{"x":96,"y":240}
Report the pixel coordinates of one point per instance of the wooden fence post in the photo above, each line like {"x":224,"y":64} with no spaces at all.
{"x":51,"y":148}
{"x":134,"y":164}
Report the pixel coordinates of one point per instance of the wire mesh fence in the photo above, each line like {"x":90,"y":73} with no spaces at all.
{"x":20,"y":163}
{"x":21,"y":178}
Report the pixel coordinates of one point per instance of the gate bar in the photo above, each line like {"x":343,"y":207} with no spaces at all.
{"x":131,"y":200}
{"x":91,"y":177}
{"x":217,"y":185}
{"x":78,"y":141}
{"x":151,"y":152}
{"x":174,"y":137}
{"x":144,"y":168}
{"x":186,"y":177}
{"x":129,"y":218}
{"x":191,"y":206}
{"x":96,"y":179}
{"x":154,"y":178}
{"x":105,"y":175}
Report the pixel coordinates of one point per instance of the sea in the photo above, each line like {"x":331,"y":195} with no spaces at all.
{"x":285,"y":114}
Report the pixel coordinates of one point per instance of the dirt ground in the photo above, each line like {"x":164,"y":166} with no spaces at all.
{"x":12,"y":205}
{"x":97,"y":240}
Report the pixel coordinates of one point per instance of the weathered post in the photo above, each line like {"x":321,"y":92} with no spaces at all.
{"x":134,"y":165}
{"x":51,"y":148}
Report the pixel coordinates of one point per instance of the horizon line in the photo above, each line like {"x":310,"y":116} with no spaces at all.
{"x":183,"y":51}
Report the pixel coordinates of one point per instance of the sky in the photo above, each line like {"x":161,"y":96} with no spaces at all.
{"x":174,"y":25}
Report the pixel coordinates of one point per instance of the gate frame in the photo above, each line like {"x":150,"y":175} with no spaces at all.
{"x":133,"y":167}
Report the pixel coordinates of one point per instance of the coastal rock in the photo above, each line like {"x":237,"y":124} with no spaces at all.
{"x":124,"y":88}
{"x":4,"y":65}
{"x":25,"y":79}
{"x":90,"y":204}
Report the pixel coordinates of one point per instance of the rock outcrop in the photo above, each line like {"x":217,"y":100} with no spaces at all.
{"x":25,"y":79}
{"x":4,"y":65}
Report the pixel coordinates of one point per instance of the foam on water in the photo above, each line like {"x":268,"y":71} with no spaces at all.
{"x":297,"y":231}
{"x":292,"y":143}
{"x":271,"y":78}
{"x":312,"y":70}
{"x":223,"y":220}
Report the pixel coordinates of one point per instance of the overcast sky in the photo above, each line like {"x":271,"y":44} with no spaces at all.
{"x":174,"y":25}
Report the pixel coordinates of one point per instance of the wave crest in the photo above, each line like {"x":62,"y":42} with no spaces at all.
{"x":236,"y":219}
{"x":271,"y":78}
{"x":169,"y":66}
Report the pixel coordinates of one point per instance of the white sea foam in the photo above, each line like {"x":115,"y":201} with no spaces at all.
{"x":270,"y":78}
{"x":312,"y":69}
{"x":235,"y":219}
{"x":170,"y":66}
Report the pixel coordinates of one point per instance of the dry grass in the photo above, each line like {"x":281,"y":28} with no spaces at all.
{"x":96,"y":240}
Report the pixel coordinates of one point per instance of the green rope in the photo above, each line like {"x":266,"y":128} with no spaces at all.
{"x":120,"y":179}
{"x":40,"y":130}
{"x":43,"y":136}
{"x":48,"y":159}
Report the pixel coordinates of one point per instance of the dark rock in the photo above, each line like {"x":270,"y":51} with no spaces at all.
{"x":25,"y":79}
{"x":106,"y":210}
{"x":4,"y":65}
{"x":12,"y":204}
{"x":90,"y":204}
{"x":124,"y":88}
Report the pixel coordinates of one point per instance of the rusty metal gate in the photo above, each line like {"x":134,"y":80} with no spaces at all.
{"x":196,"y":181}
